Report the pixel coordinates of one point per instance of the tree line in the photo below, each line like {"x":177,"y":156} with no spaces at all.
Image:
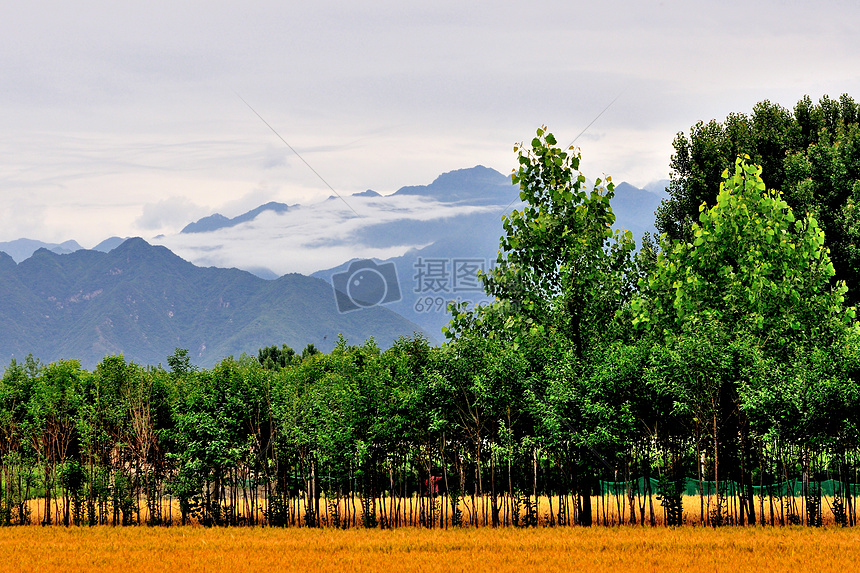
{"x":706,"y":376}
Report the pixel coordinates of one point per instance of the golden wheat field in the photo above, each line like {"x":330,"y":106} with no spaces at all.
{"x":48,"y":549}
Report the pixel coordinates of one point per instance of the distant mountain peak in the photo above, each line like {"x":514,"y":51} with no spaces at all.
{"x":218,"y":221}
{"x":625,"y":187}
{"x":22,"y":249}
{"x":634,"y":208}
{"x":206,"y":224}
{"x":477,"y":185}
{"x":133,"y":243}
{"x":109,"y":244}
{"x":659,"y":187}
{"x":136,"y":249}
{"x":474,"y":174}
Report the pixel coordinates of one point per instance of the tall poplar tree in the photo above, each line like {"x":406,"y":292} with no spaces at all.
{"x":562,"y":272}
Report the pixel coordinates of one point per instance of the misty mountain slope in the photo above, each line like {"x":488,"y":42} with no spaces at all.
{"x":22,"y":249}
{"x":431,"y":276}
{"x":22,"y":310}
{"x":143,"y":301}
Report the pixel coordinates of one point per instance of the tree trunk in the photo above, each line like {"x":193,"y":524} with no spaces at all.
{"x":585,"y":512}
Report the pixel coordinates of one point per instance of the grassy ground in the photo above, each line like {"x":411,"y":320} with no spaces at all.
{"x":241,"y":550}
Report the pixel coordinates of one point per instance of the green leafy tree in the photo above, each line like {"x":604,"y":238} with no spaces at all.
{"x":810,"y":153}
{"x":16,"y":458}
{"x":309,"y":350}
{"x":180,"y":362}
{"x":561,"y":271}
{"x":52,"y":414}
{"x":558,"y":265}
{"x":274,"y":358}
{"x":751,"y":264}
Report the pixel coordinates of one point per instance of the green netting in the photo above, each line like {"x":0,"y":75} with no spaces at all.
{"x":791,"y":487}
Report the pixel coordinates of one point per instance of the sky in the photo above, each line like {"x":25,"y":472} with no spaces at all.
{"x":128,"y":119}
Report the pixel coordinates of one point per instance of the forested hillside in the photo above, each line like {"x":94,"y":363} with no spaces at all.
{"x":142,"y":301}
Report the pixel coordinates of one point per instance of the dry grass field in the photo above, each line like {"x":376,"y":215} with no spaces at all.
{"x":240,"y":550}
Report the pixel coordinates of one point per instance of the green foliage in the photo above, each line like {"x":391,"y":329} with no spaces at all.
{"x":751,"y":265}
{"x":669,"y":492}
{"x":274,"y":358}
{"x":811,"y":154}
{"x":559,"y":264}
{"x":277,"y":511}
{"x":309,"y":350}
{"x":73,"y":479}
{"x":179,"y":362}
{"x":748,"y":334}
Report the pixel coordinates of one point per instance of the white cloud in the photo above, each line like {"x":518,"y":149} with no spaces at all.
{"x":311,"y":238}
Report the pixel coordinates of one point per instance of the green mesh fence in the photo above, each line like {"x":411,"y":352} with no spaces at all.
{"x":691,"y":487}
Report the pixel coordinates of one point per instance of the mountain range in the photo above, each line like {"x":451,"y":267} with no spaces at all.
{"x":130,"y":297}
{"x":143,"y":301}
{"x":22,"y":249}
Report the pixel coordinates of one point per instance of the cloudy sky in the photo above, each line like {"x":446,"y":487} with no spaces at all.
{"x":120,"y":120}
